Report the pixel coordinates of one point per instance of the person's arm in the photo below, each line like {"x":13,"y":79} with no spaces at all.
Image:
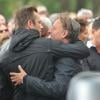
{"x":65,"y":70}
{"x":77,"y":50}
{"x":55,"y":88}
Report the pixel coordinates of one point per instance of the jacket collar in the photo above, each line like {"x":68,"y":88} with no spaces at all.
{"x":22,"y":38}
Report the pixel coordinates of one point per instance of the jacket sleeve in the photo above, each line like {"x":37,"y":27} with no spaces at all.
{"x":55,"y":88}
{"x":77,"y":50}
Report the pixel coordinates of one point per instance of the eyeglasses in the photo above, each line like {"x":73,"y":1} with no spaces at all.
{"x":6,"y":30}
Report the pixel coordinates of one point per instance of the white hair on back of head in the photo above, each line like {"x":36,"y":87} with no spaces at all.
{"x":46,"y":21}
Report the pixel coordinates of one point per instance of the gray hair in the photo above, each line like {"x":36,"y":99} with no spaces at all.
{"x":85,"y":12}
{"x":46,"y":21}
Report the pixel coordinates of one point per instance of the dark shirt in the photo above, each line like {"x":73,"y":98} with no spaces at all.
{"x":93,"y":61}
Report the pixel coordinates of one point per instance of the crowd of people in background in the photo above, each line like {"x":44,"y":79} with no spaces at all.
{"x":41,"y":53}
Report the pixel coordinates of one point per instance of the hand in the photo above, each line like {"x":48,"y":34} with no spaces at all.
{"x":17,"y":78}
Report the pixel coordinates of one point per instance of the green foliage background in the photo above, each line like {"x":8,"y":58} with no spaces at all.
{"x":8,"y":7}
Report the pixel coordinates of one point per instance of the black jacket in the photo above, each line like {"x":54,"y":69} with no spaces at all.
{"x":36,"y":55}
{"x":55,"y":89}
{"x":92,"y":62}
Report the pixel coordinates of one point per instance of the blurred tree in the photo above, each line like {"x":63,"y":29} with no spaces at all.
{"x":65,"y":5}
{"x":80,"y":4}
{"x":96,"y":6}
{"x":7,"y":7}
{"x":2,"y":6}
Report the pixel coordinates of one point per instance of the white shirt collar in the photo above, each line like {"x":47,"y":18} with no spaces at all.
{"x":90,"y":44}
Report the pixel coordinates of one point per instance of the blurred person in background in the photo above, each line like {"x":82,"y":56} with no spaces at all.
{"x":85,"y":14}
{"x":11,"y":26}
{"x":84,"y":86}
{"x":2,"y":19}
{"x":93,"y":61}
{"x":72,"y":15}
{"x":4,"y":39}
{"x":47,"y":24}
{"x":83,"y":36}
{"x":83,"y":30}
{"x":42,"y":10}
{"x":4,"y":33}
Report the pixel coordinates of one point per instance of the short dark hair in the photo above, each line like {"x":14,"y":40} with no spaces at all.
{"x":96,"y":23}
{"x":71,"y":25}
{"x":23,"y":15}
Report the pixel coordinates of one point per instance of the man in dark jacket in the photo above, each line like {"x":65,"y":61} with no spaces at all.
{"x":36,"y":55}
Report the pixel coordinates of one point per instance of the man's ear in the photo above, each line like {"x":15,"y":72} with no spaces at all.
{"x":65,"y":33}
{"x":30,"y":24}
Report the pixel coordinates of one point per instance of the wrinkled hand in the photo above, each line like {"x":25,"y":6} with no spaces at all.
{"x":17,"y":78}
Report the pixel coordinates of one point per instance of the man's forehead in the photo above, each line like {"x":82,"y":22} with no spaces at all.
{"x":57,"y":23}
{"x":36,"y":15}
